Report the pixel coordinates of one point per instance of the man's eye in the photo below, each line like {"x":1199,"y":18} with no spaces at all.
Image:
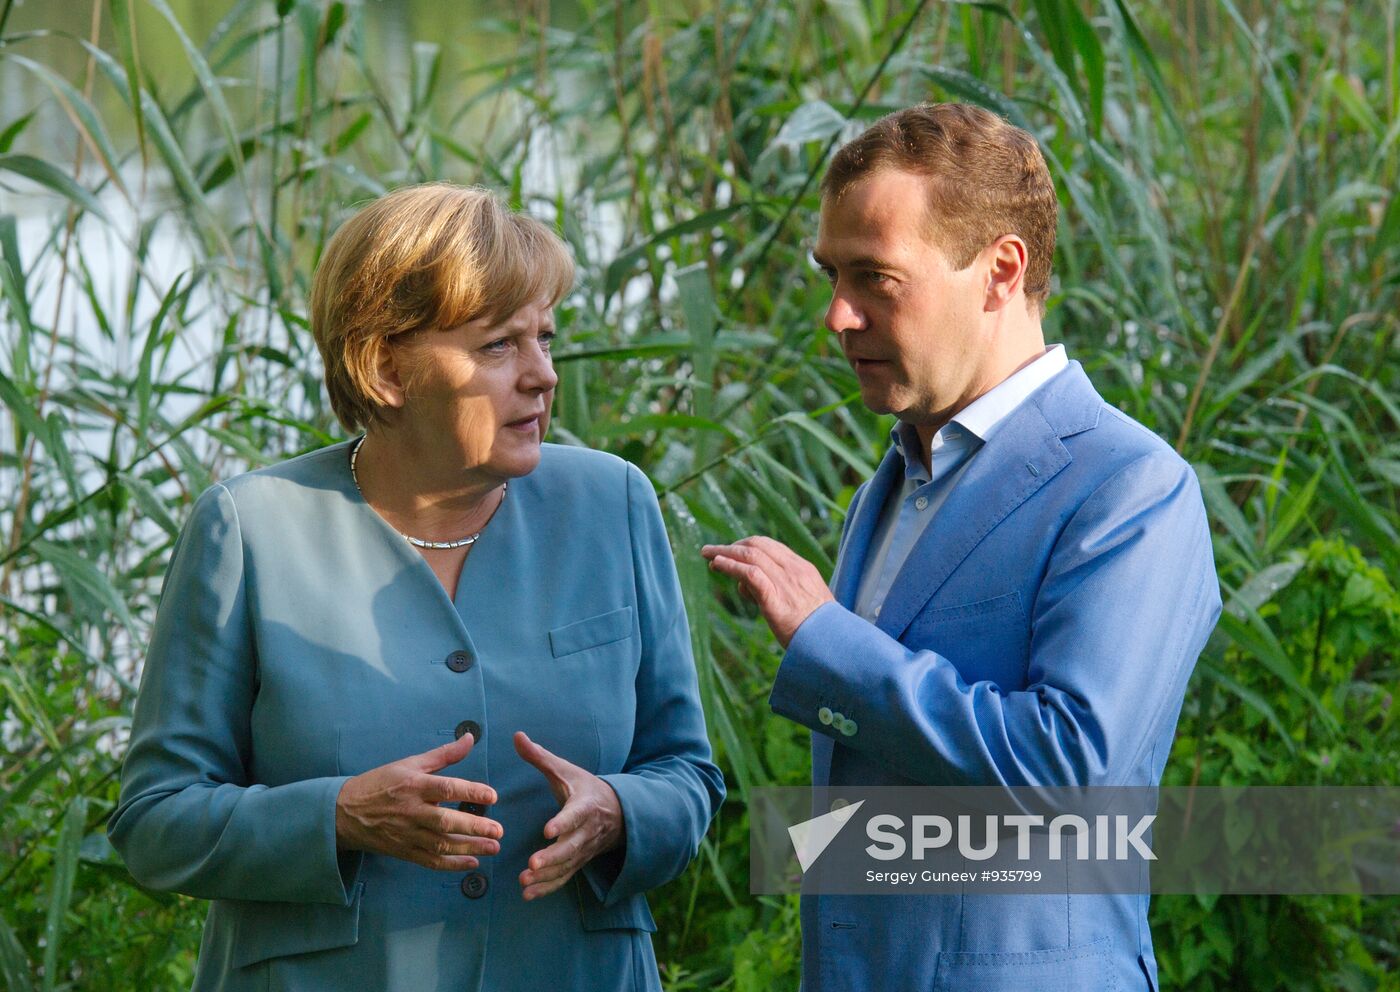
{"x":829,"y":275}
{"x":878,"y":278}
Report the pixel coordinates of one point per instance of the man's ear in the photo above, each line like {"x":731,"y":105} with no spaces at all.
{"x":1006,"y":271}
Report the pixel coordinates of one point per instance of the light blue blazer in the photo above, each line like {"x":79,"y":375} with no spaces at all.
{"x":1041,"y":632}
{"x":300,"y":641}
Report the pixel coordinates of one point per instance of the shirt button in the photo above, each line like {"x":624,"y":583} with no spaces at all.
{"x":468,"y":727}
{"x":824,"y":715}
{"x":474,"y":886}
{"x":921,"y":503}
{"x":459,"y":661}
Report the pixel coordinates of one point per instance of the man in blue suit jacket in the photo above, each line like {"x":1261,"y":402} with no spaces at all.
{"x":1022,"y":588}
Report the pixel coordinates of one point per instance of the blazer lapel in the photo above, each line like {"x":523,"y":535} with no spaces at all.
{"x":1023,"y":454}
{"x":850,"y":563}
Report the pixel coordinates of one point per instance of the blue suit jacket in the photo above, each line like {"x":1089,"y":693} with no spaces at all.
{"x":1041,"y":632}
{"x":300,"y":641}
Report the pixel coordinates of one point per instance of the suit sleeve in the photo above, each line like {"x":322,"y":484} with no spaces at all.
{"x":669,"y":788}
{"x":188,"y":819}
{"x":1124,"y":609}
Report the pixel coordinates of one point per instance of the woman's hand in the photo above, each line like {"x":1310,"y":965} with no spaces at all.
{"x":589,"y":823}
{"x":393,"y":810}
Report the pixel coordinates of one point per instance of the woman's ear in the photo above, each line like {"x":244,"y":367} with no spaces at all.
{"x":1006,"y":271}
{"x":389,"y":371}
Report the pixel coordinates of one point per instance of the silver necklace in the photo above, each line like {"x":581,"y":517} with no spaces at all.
{"x":417,"y":542}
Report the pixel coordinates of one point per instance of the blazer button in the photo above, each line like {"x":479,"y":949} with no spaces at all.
{"x":474,"y":886}
{"x":468,"y":727}
{"x":848,"y":728}
{"x":459,"y":661}
{"x":475,"y":809}
{"x":824,"y":716}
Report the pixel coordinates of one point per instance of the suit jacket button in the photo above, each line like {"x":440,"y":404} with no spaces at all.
{"x":475,"y":809}
{"x":824,"y":715}
{"x":459,"y":661}
{"x":474,"y":886}
{"x":468,"y":727}
{"x":848,"y":728}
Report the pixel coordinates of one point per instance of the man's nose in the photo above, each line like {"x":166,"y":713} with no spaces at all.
{"x":842,"y":315}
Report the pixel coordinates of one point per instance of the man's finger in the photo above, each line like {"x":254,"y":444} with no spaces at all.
{"x":752,"y":577}
{"x":444,"y":755}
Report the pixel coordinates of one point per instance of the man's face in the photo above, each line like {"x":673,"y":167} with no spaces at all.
{"x":910,"y":325}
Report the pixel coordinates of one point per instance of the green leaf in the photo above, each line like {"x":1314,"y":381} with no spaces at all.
{"x":622,"y":266}
{"x":8,"y":136}
{"x":14,"y":965}
{"x":65,"y":869}
{"x":41,"y":172}
{"x":83,"y":581}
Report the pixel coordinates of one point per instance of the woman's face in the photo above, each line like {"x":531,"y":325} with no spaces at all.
{"x":481,"y":391}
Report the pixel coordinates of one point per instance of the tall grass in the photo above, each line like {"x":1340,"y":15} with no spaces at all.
{"x":1228,"y":267}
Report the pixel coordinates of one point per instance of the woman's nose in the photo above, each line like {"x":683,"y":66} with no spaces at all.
{"x":539,"y":374}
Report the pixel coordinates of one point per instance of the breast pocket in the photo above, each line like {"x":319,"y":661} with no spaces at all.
{"x":594,"y":668}
{"x":592,"y":632}
{"x":1070,"y":969}
{"x":987,"y":640}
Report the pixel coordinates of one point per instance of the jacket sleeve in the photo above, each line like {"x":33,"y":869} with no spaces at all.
{"x":189,"y":820}
{"x":669,"y":788}
{"x":1129,"y":596}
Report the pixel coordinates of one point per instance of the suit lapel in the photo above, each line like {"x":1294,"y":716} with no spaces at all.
{"x":850,"y":563}
{"x":1024,"y":453}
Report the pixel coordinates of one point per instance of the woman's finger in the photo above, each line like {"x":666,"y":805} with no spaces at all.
{"x":550,"y":873}
{"x":441,"y":820}
{"x":560,"y":852}
{"x":444,"y":845}
{"x":446,"y":789}
{"x":450,"y":862}
{"x":440,"y":757}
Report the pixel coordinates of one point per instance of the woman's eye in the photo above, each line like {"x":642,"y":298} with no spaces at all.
{"x":547,"y":339}
{"x":498,"y":346}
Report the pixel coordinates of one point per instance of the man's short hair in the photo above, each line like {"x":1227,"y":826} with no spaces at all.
{"x":433,"y":256}
{"x":986,"y":179}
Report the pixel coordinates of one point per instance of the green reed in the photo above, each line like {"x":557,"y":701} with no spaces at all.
{"x":1228,"y":265}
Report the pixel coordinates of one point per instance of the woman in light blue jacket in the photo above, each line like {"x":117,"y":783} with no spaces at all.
{"x":420,"y":710}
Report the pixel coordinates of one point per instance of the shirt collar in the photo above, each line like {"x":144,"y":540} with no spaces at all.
{"x":982,"y":415}
{"x":992,"y":407}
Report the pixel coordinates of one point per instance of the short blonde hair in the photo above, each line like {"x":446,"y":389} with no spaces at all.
{"x":430,"y":256}
{"x":986,"y":178}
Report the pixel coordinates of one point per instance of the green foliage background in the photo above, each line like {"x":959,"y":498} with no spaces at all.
{"x":1228,"y":268}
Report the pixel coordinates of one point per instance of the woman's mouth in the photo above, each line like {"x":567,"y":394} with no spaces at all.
{"x":526,"y":425}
